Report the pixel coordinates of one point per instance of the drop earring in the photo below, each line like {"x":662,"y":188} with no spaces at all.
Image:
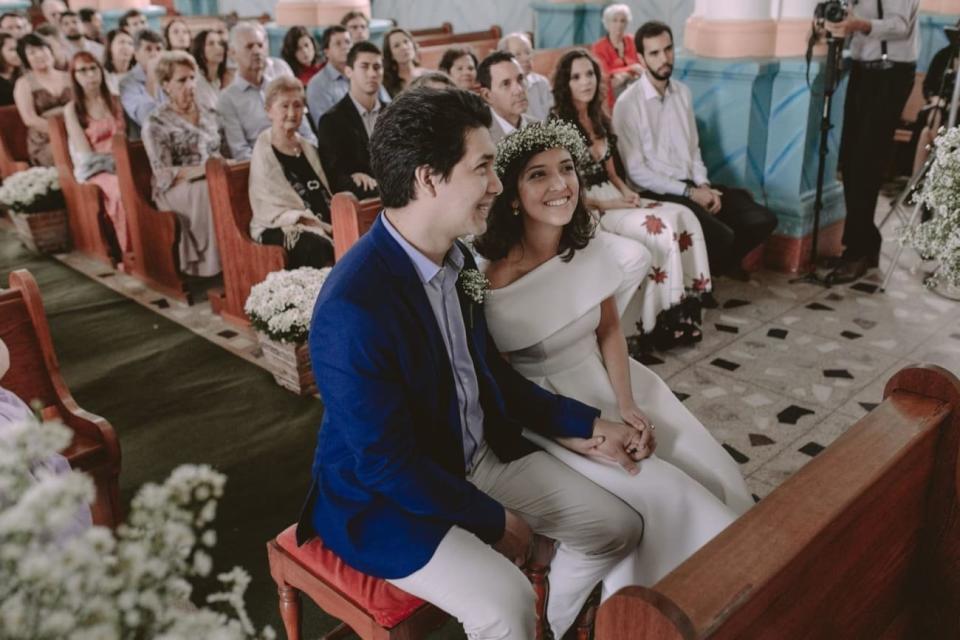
{"x":516,"y":210}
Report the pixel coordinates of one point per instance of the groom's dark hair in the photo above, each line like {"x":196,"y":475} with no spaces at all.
{"x":422,"y":127}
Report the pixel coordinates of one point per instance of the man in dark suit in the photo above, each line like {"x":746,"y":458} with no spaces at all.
{"x":344,"y":131}
{"x":422,"y":475}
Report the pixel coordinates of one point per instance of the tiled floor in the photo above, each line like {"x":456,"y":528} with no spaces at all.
{"x":783,"y":368}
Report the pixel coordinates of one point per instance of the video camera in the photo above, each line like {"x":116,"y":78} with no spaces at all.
{"x":830,"y":11}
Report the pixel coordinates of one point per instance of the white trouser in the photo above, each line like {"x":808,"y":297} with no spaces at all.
{"x":489,"y":595}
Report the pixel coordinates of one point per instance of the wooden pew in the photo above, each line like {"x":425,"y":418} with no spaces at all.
{"x":544,"y":61}
{"x":863,"y":542}
{"x":351,"y":219}
{"x":34,"y":375}
{"x":13,"y":142}
{"x":466,"y":37}
{"x":245,"y":262}
{"x":153,"y":234}
{"x":90,"y":229}
{"x":429,"y":32}
{"x":431,"y":49}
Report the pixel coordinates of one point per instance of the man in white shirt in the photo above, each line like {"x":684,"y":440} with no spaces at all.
{"x":502,"y":86}
{"x":539,"y":91}
{"x":658,"y":141}
{"x":884,"y":42}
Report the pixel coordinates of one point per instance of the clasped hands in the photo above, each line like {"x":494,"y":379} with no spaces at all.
{"x":707,"y":197}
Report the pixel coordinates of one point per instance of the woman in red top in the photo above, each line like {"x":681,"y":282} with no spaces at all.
{"x":617,"y":52}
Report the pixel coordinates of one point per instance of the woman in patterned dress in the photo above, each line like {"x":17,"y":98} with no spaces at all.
{"x":40,"y":93}
{"x":669,"y":298}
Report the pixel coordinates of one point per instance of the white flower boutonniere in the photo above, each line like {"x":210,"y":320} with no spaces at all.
{"x":475,"y":286}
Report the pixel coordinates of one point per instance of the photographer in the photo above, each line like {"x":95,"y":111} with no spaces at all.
{"x":884,"y":42}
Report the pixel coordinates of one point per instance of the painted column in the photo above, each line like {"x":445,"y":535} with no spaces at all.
{"x":724,"y":29}
{"x":934,"y":16}
{"x":314,"y":13}
{"x":560,"y":23}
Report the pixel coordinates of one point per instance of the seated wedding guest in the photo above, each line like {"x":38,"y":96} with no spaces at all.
{"x":241,"y":105}
{"x":344,"y":131}
{"x":617,"y":52}
{"x":551,"y":311}
{"x":179,"y":136}
{"x":51,"y":35}
{"x":331,"y":84}
{"x":16,"y":24}
{"x":422,"y":475}
{"x":10,"y":68}
{"x":140,"y":93}
{"x":213,"y":75}
{"x":433,"y":80}
{"x":118,"y":58}
{"x":92,"y":23}
{"x":660,"y":147}
{"x":461,"y":65}
{"x":74,"y":40}
{"x":52,"y":10}
{"x":502,"y":86}
{"x":133,"y":22}
{"x":92,"y":117}
{"x":358,"y":24}
{"x":300,"y":52}
{"x":42,"y":91}
{"x":177,"y":36}
{"x":401,"y":60}
{"x":669,"y":298}
{"x":539,"y":94}
{"x":289,"y":192}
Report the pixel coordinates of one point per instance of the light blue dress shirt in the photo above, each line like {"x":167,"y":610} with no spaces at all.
{"x":137,"y":102}
{"x":440,"y":285}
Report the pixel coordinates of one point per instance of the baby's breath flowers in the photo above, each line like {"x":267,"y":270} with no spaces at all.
{"x":32,"y":191}
{"x":281,"y":306}
{"x":540,"y":136}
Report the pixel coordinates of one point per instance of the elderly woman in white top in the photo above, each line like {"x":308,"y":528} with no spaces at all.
{"x":179,"y":136}
{"x":289,"y":192}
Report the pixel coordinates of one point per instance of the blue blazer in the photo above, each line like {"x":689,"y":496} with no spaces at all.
{"x":388,"y":473}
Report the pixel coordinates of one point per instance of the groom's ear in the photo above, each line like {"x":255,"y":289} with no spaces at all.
{"x":426,"y":180}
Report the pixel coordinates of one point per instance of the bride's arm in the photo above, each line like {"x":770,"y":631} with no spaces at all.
{"x":613,"y":350}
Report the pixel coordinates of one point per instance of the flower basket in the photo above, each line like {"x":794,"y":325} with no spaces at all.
{"x":45,"y":232}
{"x":37,"y":209}
{"x":280,"y":309}
{"x":289,"y":363}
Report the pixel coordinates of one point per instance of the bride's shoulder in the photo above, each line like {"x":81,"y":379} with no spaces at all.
{"x":503,"y":272}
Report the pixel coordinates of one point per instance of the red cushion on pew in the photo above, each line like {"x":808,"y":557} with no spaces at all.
{"x":388,"y":605}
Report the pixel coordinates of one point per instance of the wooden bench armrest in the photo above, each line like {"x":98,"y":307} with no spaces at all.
{"x":351,"y":218}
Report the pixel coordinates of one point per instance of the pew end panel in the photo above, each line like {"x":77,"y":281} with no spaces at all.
{"x":245,"y":262}
{"x":13,"y":142}
{"x":153,"y":234}
{"x":89,"y":225}
{"x":35,"y":376}
{"x":862,"y":542}
{"x":351,"y":219}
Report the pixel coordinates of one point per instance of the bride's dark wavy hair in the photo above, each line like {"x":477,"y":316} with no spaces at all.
{"x":505,"y":230}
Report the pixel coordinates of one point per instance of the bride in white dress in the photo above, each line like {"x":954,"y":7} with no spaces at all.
{"x":552,"y":313}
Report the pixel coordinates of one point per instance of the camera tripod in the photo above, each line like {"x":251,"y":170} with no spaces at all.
{"x":831,"y":78}
{"x":916,"y":180}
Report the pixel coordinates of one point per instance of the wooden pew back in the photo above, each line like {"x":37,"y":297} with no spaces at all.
{"x":466,"y":37}
{"x":544,"y":61}
{"x":430,"y":56}
{"x":863,"y":542}
{"x":430,"y":32}
{"x":351,"y":219}
{"x":245,"y":262}
{"x":34,"y":375}
{"x":153,"y":234}
{"x":13,"y":142}
{"x":88,"y":224}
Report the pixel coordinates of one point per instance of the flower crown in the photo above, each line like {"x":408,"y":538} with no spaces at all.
{"x":540,"y":136}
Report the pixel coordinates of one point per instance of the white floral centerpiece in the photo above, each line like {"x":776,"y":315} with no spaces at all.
{"x":280,"y":309}
{"x":939,"y":237}
{"x":37,"y":208}
{"x":98,"y":584}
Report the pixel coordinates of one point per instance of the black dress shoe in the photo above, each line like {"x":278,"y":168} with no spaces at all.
{"x":851,"y":270}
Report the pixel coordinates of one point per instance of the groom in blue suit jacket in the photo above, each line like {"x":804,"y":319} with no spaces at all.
{"x":422,"y":475}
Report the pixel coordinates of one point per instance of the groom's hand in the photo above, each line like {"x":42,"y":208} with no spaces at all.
{"x":610,"y":441}
{"x":517,"y":539}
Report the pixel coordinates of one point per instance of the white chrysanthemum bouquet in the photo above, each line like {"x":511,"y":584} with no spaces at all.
{"x":56,"y":582}
{"x":32,"y":191}
{"x":281,"y":306}
{"x":939,"y":237}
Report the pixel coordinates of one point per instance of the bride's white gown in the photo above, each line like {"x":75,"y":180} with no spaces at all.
{"x":687,"y":492}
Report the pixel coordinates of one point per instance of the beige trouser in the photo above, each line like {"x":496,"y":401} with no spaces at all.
{"x":488,"y":594}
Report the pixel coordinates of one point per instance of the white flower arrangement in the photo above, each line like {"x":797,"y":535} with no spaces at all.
{"x":99,"y":584}
{"x":32,"y":191}
{"x":474,"y":284}
{"x":281,"y":306}
{"x":540,"y":136}
{"x":939,"y":237}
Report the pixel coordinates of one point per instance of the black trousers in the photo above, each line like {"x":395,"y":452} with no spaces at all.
{"x":875,"y":99}
{"x":310,"y":251}
{"x":741,"y":225}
